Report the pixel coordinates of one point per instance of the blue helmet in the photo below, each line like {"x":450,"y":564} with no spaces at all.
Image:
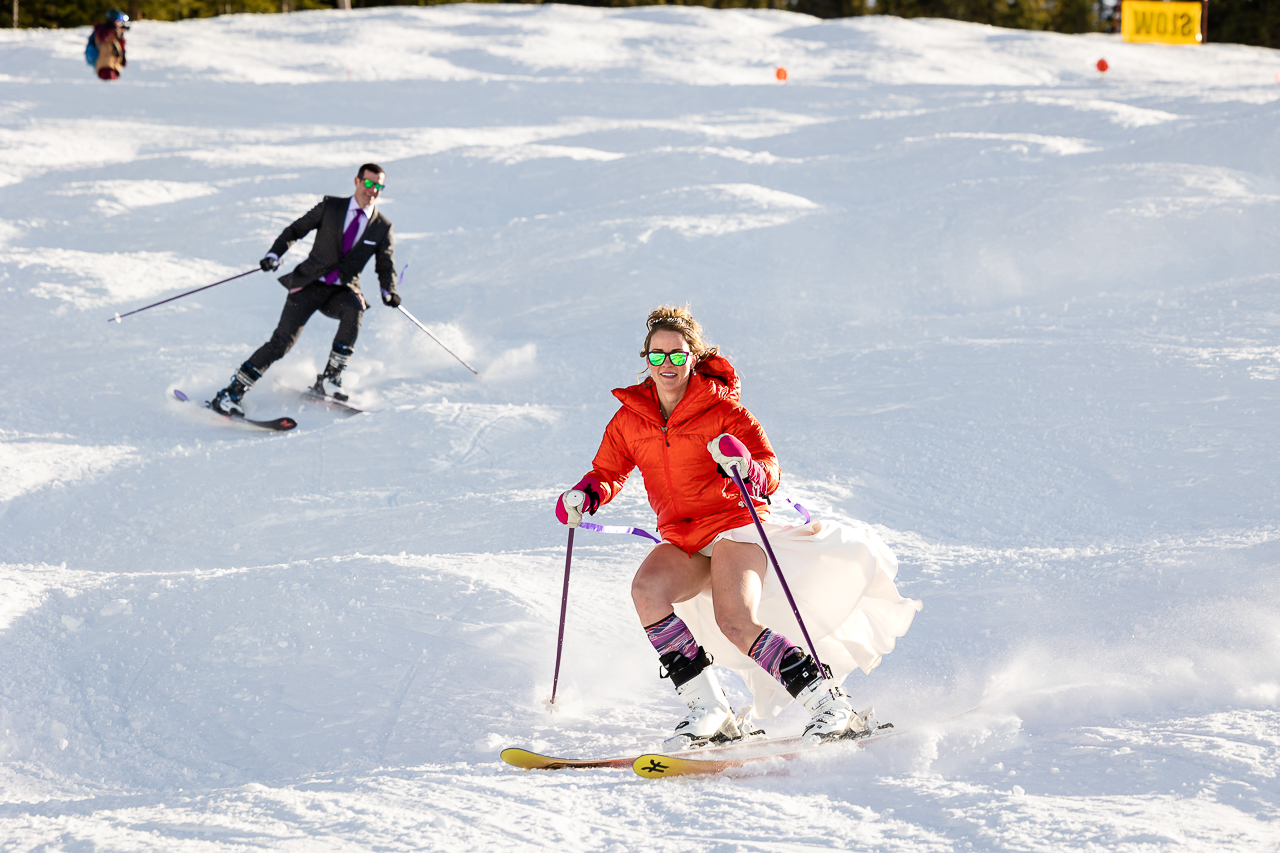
{"x":115,"y":16}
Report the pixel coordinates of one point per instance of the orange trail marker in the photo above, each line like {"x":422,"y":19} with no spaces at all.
{"x":782,"y":74}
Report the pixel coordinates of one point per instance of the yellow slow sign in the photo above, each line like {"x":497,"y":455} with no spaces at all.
{"x":1151,"y":20}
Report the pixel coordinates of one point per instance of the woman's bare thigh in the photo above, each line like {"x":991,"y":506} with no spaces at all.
{"x":667,"y":576}
{"x":737,"y":578}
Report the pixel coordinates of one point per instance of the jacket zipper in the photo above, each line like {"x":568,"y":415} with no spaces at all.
{"x":666,"y":467}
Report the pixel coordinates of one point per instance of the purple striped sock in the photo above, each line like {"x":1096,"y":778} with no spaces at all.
{"x":672,"y":635}
{"x":769,"y":649}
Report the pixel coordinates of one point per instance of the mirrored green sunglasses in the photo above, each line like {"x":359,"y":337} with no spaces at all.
{"x":372,"y":185}
{"x":678,"y":358}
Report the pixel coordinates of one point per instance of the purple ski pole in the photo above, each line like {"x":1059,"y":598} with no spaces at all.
{"x":575,"y":499}
{"x":119,"y":317}
{"x":751,"y":507}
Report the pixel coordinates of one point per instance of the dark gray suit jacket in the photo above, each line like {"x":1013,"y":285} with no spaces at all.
{"x":326,"y":255}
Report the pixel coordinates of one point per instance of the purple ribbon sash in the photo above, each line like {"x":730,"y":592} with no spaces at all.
{"x":637,"y":531}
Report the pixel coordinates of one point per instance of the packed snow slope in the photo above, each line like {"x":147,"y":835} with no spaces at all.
{"x":1019,"y":317}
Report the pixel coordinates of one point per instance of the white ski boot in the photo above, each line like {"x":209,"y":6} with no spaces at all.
{"x":830,"y":712}
{"x":710,"y":719}
{"x":831,"y":715}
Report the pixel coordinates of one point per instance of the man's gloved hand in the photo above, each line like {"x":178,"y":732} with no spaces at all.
{"x":270,"y":263}
{"x":582,"y":498}
{"x":391,"y":299}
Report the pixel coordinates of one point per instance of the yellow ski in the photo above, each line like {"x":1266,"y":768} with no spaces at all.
{"x":527,"y":760}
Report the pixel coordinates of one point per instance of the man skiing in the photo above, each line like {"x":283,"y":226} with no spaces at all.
{"x":351,"y":230}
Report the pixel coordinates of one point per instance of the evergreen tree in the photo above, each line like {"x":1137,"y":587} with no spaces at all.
{"x":1072,"y":16}
{"x":1254,"y":22}
{"x":1245,"y":22}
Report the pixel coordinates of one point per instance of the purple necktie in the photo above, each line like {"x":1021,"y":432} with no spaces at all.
{"x":348,"y":240}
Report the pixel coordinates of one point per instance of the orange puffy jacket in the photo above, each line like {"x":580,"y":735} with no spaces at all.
{"x":692,"y":500}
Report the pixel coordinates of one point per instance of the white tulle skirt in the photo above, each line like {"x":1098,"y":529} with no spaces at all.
{"x":842,"y":579}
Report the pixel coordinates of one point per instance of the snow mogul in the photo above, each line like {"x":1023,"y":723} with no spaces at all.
{"x":706,"y":593}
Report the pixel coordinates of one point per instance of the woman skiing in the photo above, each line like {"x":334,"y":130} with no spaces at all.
{"x":684,"y":428}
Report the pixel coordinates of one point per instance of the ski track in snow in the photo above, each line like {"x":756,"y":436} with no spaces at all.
{"x":1017,"y":317}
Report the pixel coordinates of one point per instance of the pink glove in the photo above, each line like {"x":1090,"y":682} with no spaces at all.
{"x":571,"y":506}
{"x":729,"y":452}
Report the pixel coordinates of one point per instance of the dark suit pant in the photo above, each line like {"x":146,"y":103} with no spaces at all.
{"x":335,"y":301}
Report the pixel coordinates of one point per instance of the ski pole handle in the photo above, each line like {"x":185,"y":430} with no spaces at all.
{"x":574,"y":501}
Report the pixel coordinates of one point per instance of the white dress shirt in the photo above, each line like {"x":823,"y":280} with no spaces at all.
{"x":364,"y":223}
{"x":346,"y":223}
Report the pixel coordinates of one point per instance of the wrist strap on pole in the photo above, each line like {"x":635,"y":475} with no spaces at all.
{"x":640,"y":531}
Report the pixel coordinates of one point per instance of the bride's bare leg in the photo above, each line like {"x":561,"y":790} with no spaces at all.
{"x":737,"y":577}
{"x":667,"y":576}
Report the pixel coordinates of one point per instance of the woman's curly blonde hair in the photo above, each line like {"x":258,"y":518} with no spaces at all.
{"x":678,"y":319}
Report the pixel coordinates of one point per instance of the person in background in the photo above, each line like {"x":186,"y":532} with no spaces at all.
{"x":108,"y":39}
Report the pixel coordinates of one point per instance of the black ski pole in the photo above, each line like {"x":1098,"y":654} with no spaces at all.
{"x":406,"y":313}
{"x":576,"y":501}
{"x":404,"y":270}
{"x":119,"y":317}
{"x":751,"y":507}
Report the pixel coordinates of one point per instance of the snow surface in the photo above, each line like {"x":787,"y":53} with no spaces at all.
{"x":1020,"y":318}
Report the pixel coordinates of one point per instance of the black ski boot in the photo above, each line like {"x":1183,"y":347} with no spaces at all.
{"x":227,"y":401}
{"x":329,"y":383}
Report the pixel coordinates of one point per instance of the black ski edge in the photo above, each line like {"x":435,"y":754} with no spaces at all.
{"x":277,"y":425}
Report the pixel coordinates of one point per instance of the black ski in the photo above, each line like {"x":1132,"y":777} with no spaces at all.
{"x":278,"y":425}
{"x":331,"y":402}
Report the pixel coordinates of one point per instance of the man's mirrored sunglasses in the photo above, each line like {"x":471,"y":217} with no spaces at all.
{"x":373,"y":185}
{"x":678,"y":358}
